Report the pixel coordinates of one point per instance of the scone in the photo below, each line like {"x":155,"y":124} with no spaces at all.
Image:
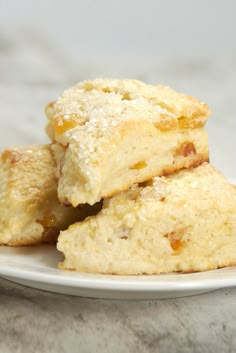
{"x":30,"y":211}
{"x":184,"y":222}
{"x":111,"y":134}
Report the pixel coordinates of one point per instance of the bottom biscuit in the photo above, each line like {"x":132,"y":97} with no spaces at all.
{"x":184,"y":222}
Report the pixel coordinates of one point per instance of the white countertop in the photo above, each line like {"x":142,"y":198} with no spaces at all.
{"x":32,"y":73}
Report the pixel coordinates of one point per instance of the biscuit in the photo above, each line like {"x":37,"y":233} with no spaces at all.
{"x":184,"y":222}
{"x":111,"y":134}
{"x":30,"y":211}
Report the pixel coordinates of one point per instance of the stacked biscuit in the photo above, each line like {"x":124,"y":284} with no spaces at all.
{"x":127,"y":171}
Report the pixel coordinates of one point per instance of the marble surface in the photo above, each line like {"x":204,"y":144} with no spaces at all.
{"x":32,"y":72}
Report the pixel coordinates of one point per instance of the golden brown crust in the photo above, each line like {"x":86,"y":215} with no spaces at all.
{"x":172,"y":110}
{"x":29,"y":242}
{"x":21,"y":163}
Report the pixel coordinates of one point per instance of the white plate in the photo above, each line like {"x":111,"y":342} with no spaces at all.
{"x":36,"y":267}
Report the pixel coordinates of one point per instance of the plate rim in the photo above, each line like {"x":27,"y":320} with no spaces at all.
{"x":123,"y":283}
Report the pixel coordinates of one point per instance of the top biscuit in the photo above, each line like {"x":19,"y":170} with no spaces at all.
{"x":101,"y":102}
{"x":96,"y":119}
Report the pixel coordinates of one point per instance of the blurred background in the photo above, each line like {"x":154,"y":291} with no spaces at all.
{"x":46,"y":46}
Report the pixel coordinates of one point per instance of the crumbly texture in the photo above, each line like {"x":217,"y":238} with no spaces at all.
{"x":184,"y":222}
{"x":30,"y":211}
{"x":125,"y":131}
